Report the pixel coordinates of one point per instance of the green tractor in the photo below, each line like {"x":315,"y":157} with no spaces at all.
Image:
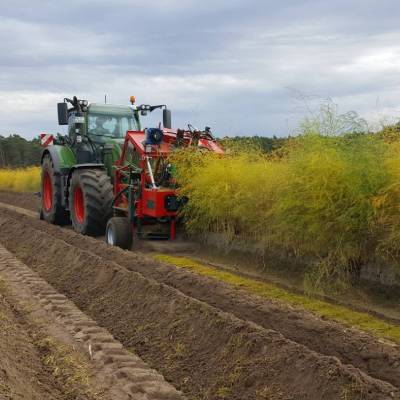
{"x":77,"y":169}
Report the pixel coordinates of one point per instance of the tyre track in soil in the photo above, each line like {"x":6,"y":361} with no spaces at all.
{"x":375,"y":357}
{"x":202,"y":350}
{"x":124,"y":376}
{"x":23,"y":374}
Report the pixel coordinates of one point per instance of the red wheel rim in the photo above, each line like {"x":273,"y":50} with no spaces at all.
{"x":79,"y":205}
{"x":47,"y":192}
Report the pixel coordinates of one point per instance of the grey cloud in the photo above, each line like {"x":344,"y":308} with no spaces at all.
{"x":228,"y":64}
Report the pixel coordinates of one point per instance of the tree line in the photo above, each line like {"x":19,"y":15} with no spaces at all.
{"x":15,"y":151}
{"x":262,"y":143}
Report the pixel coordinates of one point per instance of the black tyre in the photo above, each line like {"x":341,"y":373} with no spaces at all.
{"x":119,"y":232}
{"x":90,"y":201}
{"x":51,"y":209}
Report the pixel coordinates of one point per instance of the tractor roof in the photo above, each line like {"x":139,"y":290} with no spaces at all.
{"x":110,"y":109}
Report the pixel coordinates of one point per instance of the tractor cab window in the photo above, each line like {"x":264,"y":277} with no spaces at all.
{"x":114,"y":126}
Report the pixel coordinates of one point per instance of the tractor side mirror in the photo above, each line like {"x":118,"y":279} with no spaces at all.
{"x":167,"y":118}
{"x":62,"y":109}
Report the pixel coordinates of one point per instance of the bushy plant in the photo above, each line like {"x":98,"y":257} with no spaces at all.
{"x":326,"y":203}
{"x":20,"y":180}
{"x":387,"y":205}
{"x":222,"y":191}
{"x":330,"y":196}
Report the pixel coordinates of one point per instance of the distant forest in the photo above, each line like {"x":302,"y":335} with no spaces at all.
{"x":15,"y":151}
{"x":263,"y":143}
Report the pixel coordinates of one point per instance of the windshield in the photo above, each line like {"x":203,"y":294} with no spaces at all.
{"x":110,"y":125}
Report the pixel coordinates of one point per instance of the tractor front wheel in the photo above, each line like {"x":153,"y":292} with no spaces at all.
{"x":51,"y":209}
{"x":90,"y":201}
{"x":119,"y":232}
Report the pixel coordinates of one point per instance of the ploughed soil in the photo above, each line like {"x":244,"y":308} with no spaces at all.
{"x":379,"y":360}
{"x":209,"y":340}
{"x":30,"y":201}
{"x":37,"y":359}
{"x":22,"y":372}
{"x":49,"y":349}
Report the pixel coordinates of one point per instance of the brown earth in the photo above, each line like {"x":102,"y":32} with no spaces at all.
{"x":83,"y":360}
{"x":379,"y":301}
{"x":30,"y":201}
{"x":377,"y":359}
{"x":209,"y":340}
{"x":22,"y":372}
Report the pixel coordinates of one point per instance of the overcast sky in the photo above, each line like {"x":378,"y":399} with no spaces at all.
{"x":240,"y":67}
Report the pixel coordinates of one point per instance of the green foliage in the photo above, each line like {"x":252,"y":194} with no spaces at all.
{"x":387,"y":205}
{"x":16,"y":151}
{"x":222,"y":191}
{"x":325,"y":203}
{"x":329,"y":122}
{"x":259,"y":143}
{"x":330,"y":195}
{"x":390,"y":133}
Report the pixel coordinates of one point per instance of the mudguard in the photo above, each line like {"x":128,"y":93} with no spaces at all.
{"x":62,"y":156}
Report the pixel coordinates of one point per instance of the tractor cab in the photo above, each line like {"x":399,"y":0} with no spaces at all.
{"x":96,"y":131}
{"x":105,"y":122}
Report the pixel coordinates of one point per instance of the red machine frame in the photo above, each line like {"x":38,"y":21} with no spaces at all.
{"x":152,"y":200}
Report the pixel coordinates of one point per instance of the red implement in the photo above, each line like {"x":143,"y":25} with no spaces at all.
{"x":144,"y":189}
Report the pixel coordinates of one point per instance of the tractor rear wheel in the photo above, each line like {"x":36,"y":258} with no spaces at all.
{"x":119,"y":232}
{"x":51,"y":209}
{"x":90,"y":201}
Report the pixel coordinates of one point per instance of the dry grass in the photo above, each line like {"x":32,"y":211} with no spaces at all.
{"x":67,"y":366}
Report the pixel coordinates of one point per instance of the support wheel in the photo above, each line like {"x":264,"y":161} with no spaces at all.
{"x":90,"y":201}
{"x":51,"y":209}
{"x":119,"y":232}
